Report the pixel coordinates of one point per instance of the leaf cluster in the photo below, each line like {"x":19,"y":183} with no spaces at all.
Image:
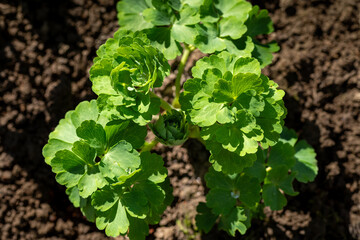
{"x":125,"y":70}
{"x":237,"y":107}
{"x":233,"y":199}
{"x":112,"y":183}
{"x":210,"y":26}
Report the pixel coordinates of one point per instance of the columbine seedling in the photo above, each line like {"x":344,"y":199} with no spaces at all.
{"x":98,"y":150}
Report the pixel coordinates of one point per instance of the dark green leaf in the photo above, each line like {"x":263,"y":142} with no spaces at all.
{"x":205,"y":219}
{"x":249,"y":190}
{"x":273,"y":197}
{"x":220,"y":201}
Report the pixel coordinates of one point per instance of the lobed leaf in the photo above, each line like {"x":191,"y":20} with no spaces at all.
{"x":288,"y":160}
{"x":126,"y":69}
{"x":136,"y":197}
{"x":210,"y":26}
{"x":205,"y":219}
{"x":229,"y":200}
{"x":237,"y":108}
{"x":234,"y":221}
{"x":106,"y":177}
{"x":306,"y":165}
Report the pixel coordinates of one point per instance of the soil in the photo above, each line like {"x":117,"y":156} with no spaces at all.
{"x":46,"y":49}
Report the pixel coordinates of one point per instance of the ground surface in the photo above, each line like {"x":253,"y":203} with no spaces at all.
{"x":46,"y":49}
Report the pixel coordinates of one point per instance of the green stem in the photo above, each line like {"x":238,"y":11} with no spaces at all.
{"x":194,"y":132}
{"x":163,"y":104}
{"x":148,"y":146}
{"x":184,"y":58}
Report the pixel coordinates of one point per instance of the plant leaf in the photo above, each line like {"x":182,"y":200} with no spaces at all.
{"x":234,"y":221}
{"x":205,"y":219}
{"x":306,"y":165}
{"x":119,"y":160}
{"x":273,"y":197}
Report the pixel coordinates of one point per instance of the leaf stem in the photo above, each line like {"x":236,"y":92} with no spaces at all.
{"x":194,"y":132}
{"x":186,"y":53}
{"x":148,"y":146}
{"x":163,"y":104}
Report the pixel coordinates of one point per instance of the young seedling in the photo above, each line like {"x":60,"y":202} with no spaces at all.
{"x":98,"y":151}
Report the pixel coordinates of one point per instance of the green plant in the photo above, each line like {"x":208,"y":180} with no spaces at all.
{"x":98,"y":150}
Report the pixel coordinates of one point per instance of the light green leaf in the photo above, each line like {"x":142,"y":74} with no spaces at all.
{"x":84,"y":111}
{"x":120,"y":159}
{"x":214,"y":99}
{"x":234,"y":221}
{"x":188,"y":15}
{"x":100,"y":76}
{"x":53,"y":146}
{"x":114,"y":220}
{"x":76,"y":168}
{"x":161,"y":39}
{"x":206,"y":113}
{"x":65,"y":131}
{"x":306,"y":165}
{"x":93,"y":134}
{"x":242,"y":47}
{"x":131,"y":67}
{"x":236,"y":8}
{"x":229,"y":91}
{"x":247,"y":65}
{"x":74,"y":196}
{"x":91,"y":181}
{"x":208,"y":41}
{"x":232,"y":26}
{"x":208,"y":12}
{"x":182,"y":33}
{"x":158,"y":18}
{"x":69,"y":168}
{"x":223,"y":61}
{"x":152,"y":166}
{"x":130,"y":15}
{"x":241,"y":137}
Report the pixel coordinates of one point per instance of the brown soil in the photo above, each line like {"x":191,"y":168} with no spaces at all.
{"x":46,"y":49}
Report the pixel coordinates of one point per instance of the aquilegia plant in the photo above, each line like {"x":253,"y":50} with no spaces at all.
{"x":98,"y":151}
